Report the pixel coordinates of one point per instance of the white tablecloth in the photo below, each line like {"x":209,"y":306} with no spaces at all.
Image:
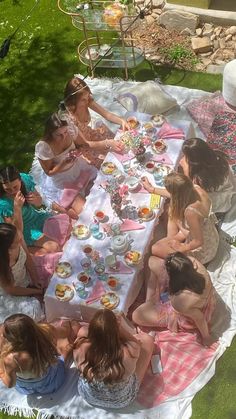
{"x":130,"y":284}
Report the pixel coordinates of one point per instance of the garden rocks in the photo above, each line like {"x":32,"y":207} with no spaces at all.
{"x":178,"y":20}
{"x":174,"y":37}
{"x":201,"y":44}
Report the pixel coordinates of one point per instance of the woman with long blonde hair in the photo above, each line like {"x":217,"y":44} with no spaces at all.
{"x":191,"y":230}
{"x":111,"y":361}
{"x":191,"y":223}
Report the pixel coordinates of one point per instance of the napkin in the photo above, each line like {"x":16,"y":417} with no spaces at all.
{"x":162,"y":158}
{"x":142,"y":190}
{"x":129,"y":225}
{"x":123,"y":157}
{"x":167,"y":131}
{"x":96,"y":293}
{"x":123,"y":269}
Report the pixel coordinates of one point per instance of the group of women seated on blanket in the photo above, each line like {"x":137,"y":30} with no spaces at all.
{"x":111,"y":361}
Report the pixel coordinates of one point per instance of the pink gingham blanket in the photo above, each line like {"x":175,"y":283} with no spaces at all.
{"x":182,"y":359}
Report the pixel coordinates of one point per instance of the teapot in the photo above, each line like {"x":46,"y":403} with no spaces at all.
{"x":120,"y":244}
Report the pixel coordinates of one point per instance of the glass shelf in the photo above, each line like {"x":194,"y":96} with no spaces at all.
{"x":119,"y":57}
{"x":100,"y":15}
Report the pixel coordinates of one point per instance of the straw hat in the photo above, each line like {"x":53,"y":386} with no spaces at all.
{"x":229,"y":84}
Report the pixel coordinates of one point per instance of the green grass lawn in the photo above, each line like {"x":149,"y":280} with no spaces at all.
{"x":42,"y":58}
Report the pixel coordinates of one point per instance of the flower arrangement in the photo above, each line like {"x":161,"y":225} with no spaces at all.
{"x":118,"y":194}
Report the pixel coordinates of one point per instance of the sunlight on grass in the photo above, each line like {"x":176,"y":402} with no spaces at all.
{"x":42,"y":57}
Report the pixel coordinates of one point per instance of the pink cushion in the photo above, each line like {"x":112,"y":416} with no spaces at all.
{"x":57,"y":228}
{"x":45,"y":266}
{"x":203,"y":110}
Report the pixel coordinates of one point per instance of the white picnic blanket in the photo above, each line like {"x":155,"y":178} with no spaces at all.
{"x":66,"y":403}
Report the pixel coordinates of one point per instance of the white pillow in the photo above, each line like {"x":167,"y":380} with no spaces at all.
{"x":147,"y":97}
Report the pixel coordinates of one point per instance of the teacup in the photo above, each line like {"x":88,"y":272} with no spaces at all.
{"x":99,"y":215}
{"x":86,"y":264}
{"x":112,"y":282}
{"x":150,"y":166}
{"x":132,"y":122}
{"x":83,"y":277}
{"x":88,"y":250}
{"x":99,"y":268}
{"x":145,"y":212}
{"x":160,"y":146}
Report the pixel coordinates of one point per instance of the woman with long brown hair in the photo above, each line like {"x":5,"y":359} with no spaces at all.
{"x":59,"y":170}
{"x":95,"y":142}
{"x":29,"y":359}
{"x":111,"y":361}
{"x":191,"y":223}
{"x":19,"y":283}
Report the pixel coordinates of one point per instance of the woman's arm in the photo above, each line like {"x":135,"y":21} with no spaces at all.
{"x":108,"y":115}
{"x":17,"y":208}
{"x":30,"y":267}
{"x":21,"y":291}
{"x":8,"y":371}
{"x":154,"y":190}
{"x":51,"y":169}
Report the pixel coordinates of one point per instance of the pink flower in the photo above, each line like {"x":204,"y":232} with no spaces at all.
{"x":123,"y":190}
{"x":146,"y":140}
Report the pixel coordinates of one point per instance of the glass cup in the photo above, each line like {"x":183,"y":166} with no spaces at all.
{"x":95,"y":231}
{"x":158,"y":177}
{"x":86,"y":264}
{"x":111,"y":262}
{"x":115,"y":228}
{"x":81,"y":291}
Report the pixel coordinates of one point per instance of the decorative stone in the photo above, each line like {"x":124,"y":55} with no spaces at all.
{"x":218,"y":30}
{"x":207,"y":33}
{"x":206,"y":54}
{"x":222,"y":43}
{"x":208,"y":27}
{"x":206,"y":61}
{"x":228,"y":37}
{"x":213,"y":37}
{"x":186,"y":31}
{"x":219,"y":62}
{"x":200,"y":67}
{"x":201,"y":44}
{"x":216,"y":44}
{"x":179,"y":20}
{"x":149,"y":19}
{"x":157,"y":3}
{"x":198,"y":31}
{"x":231,"y":30}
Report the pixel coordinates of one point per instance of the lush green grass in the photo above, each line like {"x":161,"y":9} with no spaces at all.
{"x":41,"y":59}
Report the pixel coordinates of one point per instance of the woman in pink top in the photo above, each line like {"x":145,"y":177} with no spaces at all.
{"x":111,"y":361}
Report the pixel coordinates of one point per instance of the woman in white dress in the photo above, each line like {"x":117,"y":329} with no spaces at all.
{"x":18,"y":278}
{"x":65,"y":177}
